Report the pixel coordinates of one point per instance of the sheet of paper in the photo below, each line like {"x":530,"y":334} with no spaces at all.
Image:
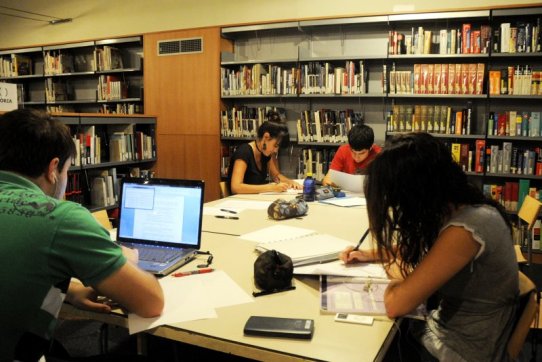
{"x":211,"y":210}
{"x":346,"y":201}
{"x":346,"y":181}
{"x":287,"y":192}
{"x":235,"y":204}
{"x":275,"y":233}
{"x":365,"y":270}
{"x":191,"y":298}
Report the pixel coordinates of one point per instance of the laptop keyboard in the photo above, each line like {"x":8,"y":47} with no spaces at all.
{"x":158,"y":255}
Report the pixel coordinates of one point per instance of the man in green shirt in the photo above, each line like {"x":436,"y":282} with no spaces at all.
{"x":46,"y":241}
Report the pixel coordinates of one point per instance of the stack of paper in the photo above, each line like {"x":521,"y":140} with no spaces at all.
{"x":304,"y":246}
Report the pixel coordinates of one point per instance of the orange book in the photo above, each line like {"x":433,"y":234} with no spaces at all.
{"x":480,"y":69}
{"x":444,"y":79}
{"x":471,"y":80}
{"x":451,"y":78}
{"x":458,"y":78}
{"x":437,"y":72}
{"x":458,"y":122}
{"x":464,"y":78}
{"x":465,"y":37}
{"x":430,"y":76}
{"x":494,"y":82}
{"x":417,"y":78}
{"x":424,"y":74}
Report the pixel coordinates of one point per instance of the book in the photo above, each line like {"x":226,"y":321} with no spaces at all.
{"x":304,"y":246}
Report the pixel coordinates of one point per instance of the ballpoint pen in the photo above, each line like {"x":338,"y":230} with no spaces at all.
{"x":227,"y":217}
{"x":230,"y":211}
{"x":361,"y":240}
{"x":192,"y":272}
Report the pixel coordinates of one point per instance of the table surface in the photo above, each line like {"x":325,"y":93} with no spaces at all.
{"x":332,"y":341}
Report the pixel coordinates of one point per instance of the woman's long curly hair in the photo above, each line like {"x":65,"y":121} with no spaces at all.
{"x":411,"y":189}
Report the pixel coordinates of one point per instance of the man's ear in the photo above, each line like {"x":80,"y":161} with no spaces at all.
{"x":52,"y":170}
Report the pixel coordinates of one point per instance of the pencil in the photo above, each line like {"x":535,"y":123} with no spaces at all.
{"x":361,"y":240}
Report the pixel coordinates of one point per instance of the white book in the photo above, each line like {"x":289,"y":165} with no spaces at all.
{"x":443,"y":43}
{"x":505,"y":37}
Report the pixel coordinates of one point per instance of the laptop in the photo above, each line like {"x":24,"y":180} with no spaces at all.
{"x":161,"y":218}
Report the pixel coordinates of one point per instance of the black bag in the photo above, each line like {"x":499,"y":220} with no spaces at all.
{"x":273,"y":271}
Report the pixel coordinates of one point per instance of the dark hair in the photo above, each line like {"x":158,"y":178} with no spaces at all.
{"x":276,"y":130}
{"x":410,"y":189}
{"x":30,"y":139}
{"x":361,"y":137}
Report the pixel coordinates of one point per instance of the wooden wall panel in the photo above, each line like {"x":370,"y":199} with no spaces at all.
{"x":191,"y":157}
{"x":183,"y":91}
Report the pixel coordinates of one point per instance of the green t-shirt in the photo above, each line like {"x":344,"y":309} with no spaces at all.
{"x":44,"y":243}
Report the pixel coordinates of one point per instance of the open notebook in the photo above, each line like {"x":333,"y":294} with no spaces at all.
{"x":304,"y":246}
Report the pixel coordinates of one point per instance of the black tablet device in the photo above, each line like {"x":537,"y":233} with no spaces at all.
{"x":279,"y":327}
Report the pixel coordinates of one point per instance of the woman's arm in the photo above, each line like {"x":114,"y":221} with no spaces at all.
{"x":237,"y":185}
{"x":275,"y":174}
{"x":452,"y":251}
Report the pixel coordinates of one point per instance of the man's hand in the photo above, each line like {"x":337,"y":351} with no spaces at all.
{"x":85,"y":298}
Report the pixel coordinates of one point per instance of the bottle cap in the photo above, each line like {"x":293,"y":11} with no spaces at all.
{"x":309,"y":174}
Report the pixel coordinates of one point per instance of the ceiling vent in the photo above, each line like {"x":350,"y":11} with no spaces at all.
{"x":180,"y":46}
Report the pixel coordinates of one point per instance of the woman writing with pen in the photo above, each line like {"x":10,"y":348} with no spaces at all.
{"x":254,"y":164}
{"x":448,"y":240}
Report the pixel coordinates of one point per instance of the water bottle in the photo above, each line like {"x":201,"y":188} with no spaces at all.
{"x":309,"y":187}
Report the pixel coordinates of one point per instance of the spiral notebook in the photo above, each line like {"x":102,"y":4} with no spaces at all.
{"x":304,"y":246}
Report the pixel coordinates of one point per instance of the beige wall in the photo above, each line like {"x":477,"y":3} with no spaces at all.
{"x":105,"y":18}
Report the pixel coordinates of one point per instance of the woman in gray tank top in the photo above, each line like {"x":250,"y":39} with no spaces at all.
{"x":449,"y":241}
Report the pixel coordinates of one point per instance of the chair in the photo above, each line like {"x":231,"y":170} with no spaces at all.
{"x":224,"y":189}
{"x":528,"y":213}
{"x":526,"y":314}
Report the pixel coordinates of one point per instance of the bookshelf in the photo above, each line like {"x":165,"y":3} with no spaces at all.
{"x":109,"y":147}
{"x":101,"y":76}
{"x":382,"y":61}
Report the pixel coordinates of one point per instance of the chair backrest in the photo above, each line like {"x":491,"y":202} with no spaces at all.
{"x":527,"y":311}
{"x":529,"y":210}
{"x":102,"y":217}
{"x":224,"y":189}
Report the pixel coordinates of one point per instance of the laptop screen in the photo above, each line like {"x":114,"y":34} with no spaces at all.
{"x":161,"y":212}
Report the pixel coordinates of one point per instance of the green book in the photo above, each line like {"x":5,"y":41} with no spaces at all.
{"x":523,"y":191}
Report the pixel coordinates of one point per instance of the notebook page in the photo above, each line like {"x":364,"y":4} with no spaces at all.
{"x":309,"y":246}
{"x":275,"y":233}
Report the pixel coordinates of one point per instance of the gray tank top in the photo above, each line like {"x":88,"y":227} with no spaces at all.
{"x":475,"y":315}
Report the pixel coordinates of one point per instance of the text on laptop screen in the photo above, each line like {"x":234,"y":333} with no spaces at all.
{"x":165,"y":213}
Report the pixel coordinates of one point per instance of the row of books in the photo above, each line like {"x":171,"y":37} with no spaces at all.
{"x":57,"y":62}
{"x":104,"y":187}
{"x":110,"y":87}
{"x":463,"y":40}
{"x":242,"y":121}
{"x":108,"y":58}
{"x":121,"y":108}
{"x":259,"y":80}
{"x":428,"y":118}
{"x":57,"y":91}
{"x":15,"y":65}
{"x":315,"y":161}
{"x":510,"y":159}
{"x":119,"y":143}
{"x":522,"y":37}
{"x":326,"y":125}
{"x":325,"y":78}
{"x":466,"y":78}
{"x":518,"y":80}
{"x":511,"y":194}
{"x":514,"y":123}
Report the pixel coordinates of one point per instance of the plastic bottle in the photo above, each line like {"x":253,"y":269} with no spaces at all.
{"x":309,"y":188}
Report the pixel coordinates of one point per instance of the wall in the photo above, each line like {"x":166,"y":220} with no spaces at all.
{"x":105,"y":18}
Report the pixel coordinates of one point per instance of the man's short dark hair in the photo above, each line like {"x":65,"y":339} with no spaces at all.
{"x":361,"y":137}
{"x":30,"y":139}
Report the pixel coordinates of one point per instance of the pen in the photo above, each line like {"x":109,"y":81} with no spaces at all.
{"x":267,"y":292}
{"x":192,"y":272}
{"x":230,"y":211}
{"x":227,"y":217}
{"x":361,"y":240}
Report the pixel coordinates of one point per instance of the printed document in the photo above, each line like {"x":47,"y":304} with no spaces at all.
{"x":346,"y":181}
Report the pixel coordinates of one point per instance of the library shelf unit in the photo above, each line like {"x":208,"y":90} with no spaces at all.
{"x":109,"y":147}
{"x":311,"y":54}
{"x":99,"y":76}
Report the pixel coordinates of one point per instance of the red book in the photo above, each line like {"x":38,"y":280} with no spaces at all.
{"x":479,"y":156}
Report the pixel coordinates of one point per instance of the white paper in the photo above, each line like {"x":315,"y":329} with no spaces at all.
{"x":287,"y":192}
{"x":209,"y":210}
{"x":346,"y":201}
{"x":276,"y":233}
{"x":235,"y":204}
{"x":346,"y":181}
{"x":365,"y":270}
{"x":192,"y":297}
